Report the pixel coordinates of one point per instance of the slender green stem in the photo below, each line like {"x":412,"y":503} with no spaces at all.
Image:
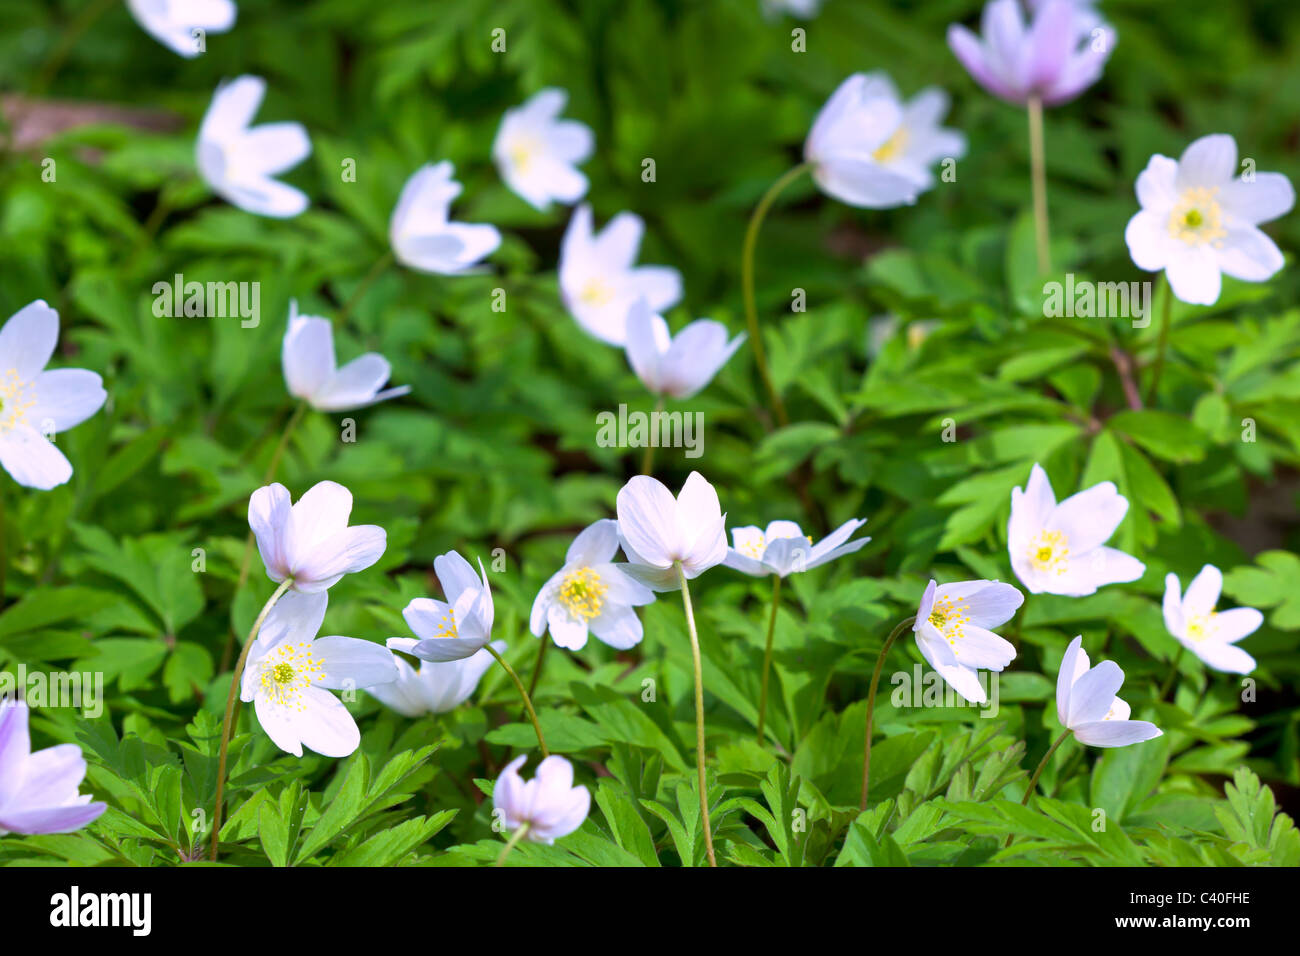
{"x":699,"y":712}
{"x":1162,"y":345}
{"x":381,"y":264}
{"x":1033,"y":781}
{"x":528,"y":701}
{"x":747,"y":283}
{"x":871,"y":705}
{"x":511,"y":843}
{"x":227,"y":724}
{"x":767,"y":655}
{"x":1173,"y":673}
{"x":1038,"y":167}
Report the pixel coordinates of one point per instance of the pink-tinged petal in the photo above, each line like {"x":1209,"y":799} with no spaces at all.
{"x":509,"y":794}
{"x":1093,"y":693}
{"x":1051,"y":40}
{"x":351,"y":550}
{"x":988,"y":603}
{"x":354,"y":385}
{"x":15,"y":748}
{"x":1209,"y":161}
{"x":1172,"y":605}
{"x":926,"y":606}
{"x":295,"y":618}
{"x":1073,"y":666}
{"x":1090,"y":517}
{"x":321,"y":513}
{"x":440,"y":649}
{"x":982,"y":649}
{"x":51,"y":819}
{"x":971,"y":54}
{"x":1116,"y":733}
{"x":50,"y":779}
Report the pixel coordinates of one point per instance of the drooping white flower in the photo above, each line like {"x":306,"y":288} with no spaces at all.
{"x":549,"y":804}
{"x":1198,"y":222}
{"x":680,"y":366}
{"x":1057,"y":548}
{"x":312,"y":374}
{"x":783,"y":549}
{"x":953,"y":630}
{"x":599,"y":280}
{"x":39,"y":791}
{"x":658,"y":531}
{"x":422,"y":232}
{"x":454,"y":629}
{"x":1209,"y":634}
{"x":434,"y":688}
{"x":591,"y":593}
{"x":239,"y":161}
{"x":869,"y":149}
{"x":310,"y":541}
{"x":1086,"y":703}
{"x":537,"y":153}
{"x":179,"y":24}
{"x":290,"y":673}
{"x":1054,"y":58}
{"x":36,"y":404}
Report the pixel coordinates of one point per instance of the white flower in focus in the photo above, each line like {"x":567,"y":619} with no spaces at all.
{"x":591,"y":593}
{"x":424,"y":236}
{"x":549,"y":804}
{"x":1086,"y":703}
{"x":953,"y":629}
{"x":434,"y":688}
{"x":537,"y":153}
{"x":678,"y":367}
{"x":36,"y":404}
{"x":783,"y":549}
{"x":175,"y":23}
{"x":658,"y":531}
{"x":599,"y":278}
{"x":39,"y":791}
{"x":310,"y":541}
{"x":1207,"y":633}
{"x":238,"y":162}
{"x":869,"y":149}
{"x":312,"y":374}
{"x":454,"y":629}
{"x":290,"y":673}
{"x":1057,"y":548}
{"x":1197,"y":221}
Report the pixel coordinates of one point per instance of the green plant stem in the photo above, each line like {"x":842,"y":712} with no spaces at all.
{"x":76,"y":30}
{"x":767,"y":655}
{"x":1162,"y":344}
{"x":227,"y":724}
{"x":1033,"y":781}
{"x":528,"y":701}
{"x":1173,"y":673}
{"x":648,"y":460}
{"x":699,"y":712}
{"x":381,"y":264}
{"x":511,"y":843}
{"x":747,"y":283}
{"x":1038,"y":168}
{"x":871,"y":705}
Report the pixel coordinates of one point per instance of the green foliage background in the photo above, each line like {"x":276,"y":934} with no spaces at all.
{"x":495,"y":447}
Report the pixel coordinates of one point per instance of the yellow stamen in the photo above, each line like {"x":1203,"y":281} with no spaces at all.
{"x":949,"y":618}
{"x":1197,"y":217}
{"x":581,"y":592}
{"x":16,"y":398}
{"x":1050,"y":551}
{"x":892,"y":147}
{"x":287,"y":672}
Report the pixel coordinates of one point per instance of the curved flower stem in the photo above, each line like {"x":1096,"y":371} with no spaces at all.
{"x":227,"y":723}
{"x":1173,"y":674}
{"x":648,"y":460}
{"x":767,"y":655}
{"x":747,"y":283}
{"x":528,"y":701}
{"x":871,"y":704}
{"x":381,"y":264}
{"x":1033,"y":781}
{"x":1162,"y":345}
{"x":510,"y":844}
{"x":247,"y":563}
{"x":1038,"y":168}
{"x":699,"y":711}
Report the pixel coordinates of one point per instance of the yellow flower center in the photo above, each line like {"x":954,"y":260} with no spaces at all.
{"x":949,"y":617}
{"x":16,"y":397}
{"x":755,"y":547}
{"x":287,"y":672}
{"x":447,"y":624}
{"x":1197,"y":217}
{"x":581,"y":592}
{"x":1199,"y":628}
{"x":1050,"y":552}
{"x":597,"y":292}
{"x":521,"y":152}
{"x":891,"y":148}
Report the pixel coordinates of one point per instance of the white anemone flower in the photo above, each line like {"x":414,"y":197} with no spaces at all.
{"x":1209,"y":634}
{"x":312,"y":373}
{"x":591,"y":593}
{"x":180,"y":24}
{"x":36,"y":404}
{"x":953,"y":629}
{"x":310,"y":541}
{"x":39,"y":792}
{"x":676,"y":366}
{"x":1198,"y":222}
{"x":424,"y":236}
{"x":290,"y":673}
{"x":1087,"y":706}
{"x":1058,"y":548}
{"x":454,"y":629}
{"x":599,"y":278}
{"x":537,"y":153}
{"x":238,"y":162}
{"x":549,"y":805}
{"x":870,"y":149}
{"x":658,"y":531}
{"x":434,"y":688}
{"x":783,"y":549}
